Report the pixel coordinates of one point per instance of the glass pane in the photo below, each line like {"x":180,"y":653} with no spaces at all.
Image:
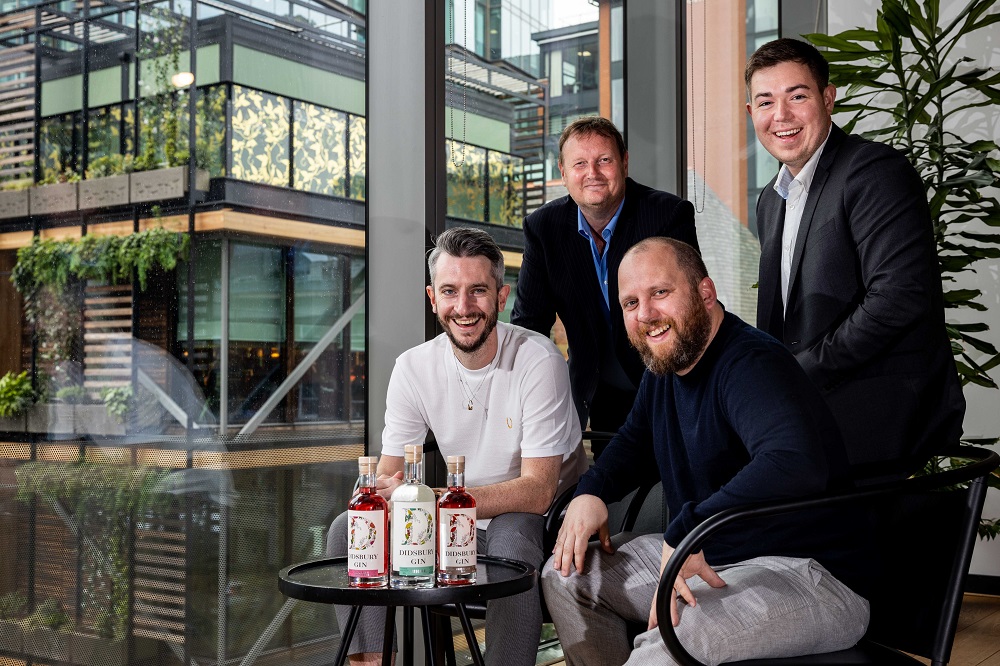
{"x":320,"y":149}
{"x":319,"y":302}
{"x":724,"y":192}
{"x":466,"y":182}
{"x":176,"y":456}
{"x":261,"y":134}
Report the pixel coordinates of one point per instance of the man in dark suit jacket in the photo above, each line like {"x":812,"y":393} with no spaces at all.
{"x":849,"y":277}
{"x":572,"y":249}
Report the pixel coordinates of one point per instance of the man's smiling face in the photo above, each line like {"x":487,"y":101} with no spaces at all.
{"x":790,"y":114}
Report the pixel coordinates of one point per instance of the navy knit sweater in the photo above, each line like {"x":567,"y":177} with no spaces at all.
{"x":745,"y":425}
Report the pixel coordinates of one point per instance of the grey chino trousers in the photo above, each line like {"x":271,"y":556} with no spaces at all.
{"x":771,"y":607}
{"x":513,"y":624}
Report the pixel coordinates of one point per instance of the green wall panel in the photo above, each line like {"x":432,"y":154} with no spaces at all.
{"x":66,"y":94}
{"x":284,"y":77}
{"x":479,"y":130}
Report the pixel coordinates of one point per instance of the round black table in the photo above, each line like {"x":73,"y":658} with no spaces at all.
{"x":325,"y":581}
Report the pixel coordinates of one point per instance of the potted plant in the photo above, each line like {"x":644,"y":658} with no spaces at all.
{"x":14,"y":198}
{"x":107,"y":182}
{"x":16,"y":397}
{"x":46,"y":632}
{"x":55,"y":193}
{"x":161,"y":166}
{"x":903,"y":79}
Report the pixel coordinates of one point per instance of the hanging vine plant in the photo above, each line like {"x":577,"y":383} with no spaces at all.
{"x":113,"y":259}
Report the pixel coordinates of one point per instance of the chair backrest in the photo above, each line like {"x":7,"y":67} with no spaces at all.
{"x":924,"y":532}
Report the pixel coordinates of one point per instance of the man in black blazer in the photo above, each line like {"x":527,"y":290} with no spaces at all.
{"x":849,"y":278}
{"x":572,"y":249}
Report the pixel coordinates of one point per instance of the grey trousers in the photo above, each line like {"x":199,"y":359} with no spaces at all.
{"x":513,"y":624}
{"x":771,"y":607}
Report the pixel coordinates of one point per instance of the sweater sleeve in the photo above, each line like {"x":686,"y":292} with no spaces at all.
{"x":628,"y":460}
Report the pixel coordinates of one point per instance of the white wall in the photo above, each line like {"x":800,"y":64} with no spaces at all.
{"x":982,"y":418}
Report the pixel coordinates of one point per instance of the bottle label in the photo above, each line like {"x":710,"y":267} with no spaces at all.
{"x":413,"y":538}
{"x":366,"y":543}
{"x":457,"y":541}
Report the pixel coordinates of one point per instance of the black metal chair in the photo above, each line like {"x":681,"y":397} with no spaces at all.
{"x":553,"y":521}
{"x":926,"y":529}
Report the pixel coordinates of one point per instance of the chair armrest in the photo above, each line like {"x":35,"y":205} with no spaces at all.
{"x":985,"y":462}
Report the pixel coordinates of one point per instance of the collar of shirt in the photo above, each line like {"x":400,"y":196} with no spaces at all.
{"x":600,"y":258}
{"x":783,"y":184}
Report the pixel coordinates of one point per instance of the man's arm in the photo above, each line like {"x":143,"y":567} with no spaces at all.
{"x":586,"y":515}
{"x":890,"y":225}
{"x":534,"y":308}
{"x":531,"y":492}
{"x":389,"y":475}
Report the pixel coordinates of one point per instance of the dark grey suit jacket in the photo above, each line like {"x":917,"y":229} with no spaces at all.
{"x":865,"y":315}
{"x":558,"y":276}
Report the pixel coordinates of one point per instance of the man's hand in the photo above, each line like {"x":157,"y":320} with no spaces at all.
{"x":385,"y":484}
{"x":695,"y":565}
{"x":585,"y":515}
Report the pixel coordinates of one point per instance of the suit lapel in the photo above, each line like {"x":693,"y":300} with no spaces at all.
{"x":770,"y":313}
{"x":819,"y":180}
{"x":577,"y":253}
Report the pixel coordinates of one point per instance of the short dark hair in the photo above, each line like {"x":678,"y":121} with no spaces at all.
{"x":688,"y":259}
{"x":592,"y":125}
{"x":467,"y":242}
{"x":788,"y":50}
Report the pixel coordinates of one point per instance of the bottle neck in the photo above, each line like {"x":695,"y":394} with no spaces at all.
{"x":413,"y":472}
{"x":366,"y":481}
{"x":456,"y":480}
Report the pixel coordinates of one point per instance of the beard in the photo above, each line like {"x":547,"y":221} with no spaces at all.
{"x":475,"y":345}
{"x":689,"y":343}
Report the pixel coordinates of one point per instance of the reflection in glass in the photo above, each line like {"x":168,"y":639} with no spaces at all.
{"x":320,"y":141}
{"x":260,"y":137}
{"x":466,"y":194}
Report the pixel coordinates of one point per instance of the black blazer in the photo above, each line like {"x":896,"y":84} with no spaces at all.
{"x":557,"y":276}
{"x":865,"y":314}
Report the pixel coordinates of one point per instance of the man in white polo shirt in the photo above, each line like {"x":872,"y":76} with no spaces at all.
{"x":499,"y":395}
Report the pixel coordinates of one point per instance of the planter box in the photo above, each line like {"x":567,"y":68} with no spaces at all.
{"x":164,"y":184}
{"x":104,"y":192}
{"x":63,"y":421}
{"x":58,"y":198}
{"x":14,"y":423}
{"x":13,"y":204}
{"x":11,"y":636}
{"x":95,"y":420}
{"x":47,"y":643}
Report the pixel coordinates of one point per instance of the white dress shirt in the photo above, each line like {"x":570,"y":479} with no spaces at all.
{"x":794,"y":191}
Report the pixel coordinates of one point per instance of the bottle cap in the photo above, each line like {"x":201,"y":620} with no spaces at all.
{"x":413,"y":453}
{"x":367,"y":464}
{"x":456,"y":464}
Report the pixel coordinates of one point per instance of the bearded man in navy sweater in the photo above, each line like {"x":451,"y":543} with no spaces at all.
{"x":724,"y":417}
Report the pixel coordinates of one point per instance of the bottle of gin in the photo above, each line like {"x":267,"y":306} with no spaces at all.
{"x":367,"y":531}
{"x":456,"y":529}
{"x":412,"y":525}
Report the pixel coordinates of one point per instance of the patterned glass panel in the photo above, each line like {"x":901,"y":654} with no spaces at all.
{"x":260,"y":137}
{"x":357,"y":131}
{"x":466,"y":181}
{"x":320,"y":149}
{"x":506,"y":183}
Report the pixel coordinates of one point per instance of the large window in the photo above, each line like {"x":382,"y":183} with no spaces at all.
{"x":190,"y":322}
